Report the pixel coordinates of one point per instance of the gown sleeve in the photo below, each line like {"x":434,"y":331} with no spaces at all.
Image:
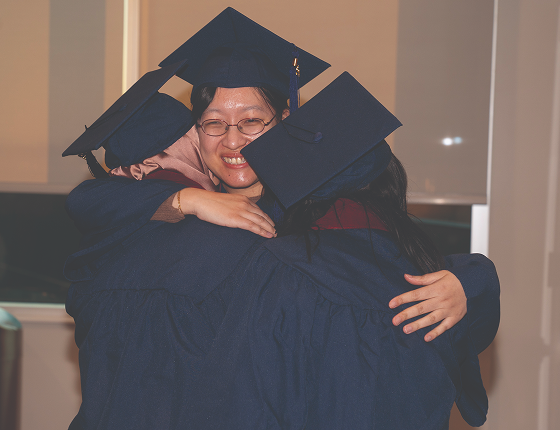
{"x":109,"y":212}
{"x":479,"y":279}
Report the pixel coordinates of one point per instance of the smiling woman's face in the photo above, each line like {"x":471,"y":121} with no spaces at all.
{"x":222,"y":153}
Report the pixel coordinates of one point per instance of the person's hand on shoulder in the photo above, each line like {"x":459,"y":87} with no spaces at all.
{"x":228,"y":210}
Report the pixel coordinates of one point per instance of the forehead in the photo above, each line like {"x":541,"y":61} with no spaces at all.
{"x":237,"y":100}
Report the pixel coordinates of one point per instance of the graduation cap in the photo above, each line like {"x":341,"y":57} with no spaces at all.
{"x":334,"y":142}
{"x":141,"y":123}
{"x":233,"y":51}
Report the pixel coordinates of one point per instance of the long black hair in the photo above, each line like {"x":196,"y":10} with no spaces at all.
{"x":386,"y":197}
{"x":203,"y":96}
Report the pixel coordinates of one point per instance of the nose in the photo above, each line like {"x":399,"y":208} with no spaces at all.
{"x":234,"y":139}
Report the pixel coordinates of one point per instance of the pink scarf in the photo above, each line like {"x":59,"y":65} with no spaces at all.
{"x":182,"y":157}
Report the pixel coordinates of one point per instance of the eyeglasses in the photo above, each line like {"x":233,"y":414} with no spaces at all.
{"x":248,"y":126}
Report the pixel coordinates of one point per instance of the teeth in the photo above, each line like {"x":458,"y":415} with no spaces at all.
{"x":234,"y":160}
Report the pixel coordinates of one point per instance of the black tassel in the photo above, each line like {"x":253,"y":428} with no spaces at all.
{"x":96,"y":170}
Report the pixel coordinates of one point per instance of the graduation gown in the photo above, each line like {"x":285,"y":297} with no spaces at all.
{"x":154,"y":298}
{"x":146,"y":320}
{"x":315,"y":348}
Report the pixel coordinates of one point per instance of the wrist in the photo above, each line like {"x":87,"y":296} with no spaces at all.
{"x":185,"y":200}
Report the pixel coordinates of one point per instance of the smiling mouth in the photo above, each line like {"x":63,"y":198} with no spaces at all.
{"x":234,"y":160}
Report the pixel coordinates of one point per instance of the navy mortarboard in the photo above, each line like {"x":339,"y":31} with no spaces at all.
{"x":141,"y":123}
{"x":333,"y":142}
{"x":233,"y":51}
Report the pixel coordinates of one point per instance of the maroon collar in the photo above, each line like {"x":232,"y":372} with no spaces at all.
{"x":347,"y":214}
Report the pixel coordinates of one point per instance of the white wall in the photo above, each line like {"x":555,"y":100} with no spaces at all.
{"x":524,"y":216}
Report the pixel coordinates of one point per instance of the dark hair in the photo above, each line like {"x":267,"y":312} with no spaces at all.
{"x":203,"y":96}
{"x":386,"y":197}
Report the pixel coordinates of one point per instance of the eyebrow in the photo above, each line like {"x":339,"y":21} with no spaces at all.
{"x":248,"y":108}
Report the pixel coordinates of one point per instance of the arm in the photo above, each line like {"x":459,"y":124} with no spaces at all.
{"x":228,"y":210}
{"x":105,"y":204}
{"x":109,"y":212}
{"x":101,"y":205}
{"x":470,"y":286}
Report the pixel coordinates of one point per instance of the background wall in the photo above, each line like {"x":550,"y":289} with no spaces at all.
{"x":524,"y":215}
{"x":56,"y":55}
{"x":360,"y":38}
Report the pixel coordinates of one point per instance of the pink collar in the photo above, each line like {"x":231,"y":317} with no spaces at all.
{"x":347,"y":214}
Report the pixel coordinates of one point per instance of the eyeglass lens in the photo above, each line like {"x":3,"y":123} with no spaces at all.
{"x":216,"y":127}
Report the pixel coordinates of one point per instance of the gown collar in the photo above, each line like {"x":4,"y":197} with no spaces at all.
{"x":348,"y":214}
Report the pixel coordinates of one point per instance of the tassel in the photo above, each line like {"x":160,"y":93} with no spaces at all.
{"x":294,"y":77}
{"x":96,"y":170}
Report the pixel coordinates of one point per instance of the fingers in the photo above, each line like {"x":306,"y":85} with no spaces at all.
{"x":427,"y":279}
{"x":413,"y":311}
{"x":263,"y":217}
{"x":445,"y":325}
{"x":442,"y":299}
{"x":255,"y":223}
{"x":412,"y":296}
{"x":231,"y":211}
{"x":428,"y":320}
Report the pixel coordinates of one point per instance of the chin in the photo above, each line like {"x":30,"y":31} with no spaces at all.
{"x":239,"y":185}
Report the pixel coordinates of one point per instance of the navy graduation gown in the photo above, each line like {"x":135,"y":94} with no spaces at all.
{"x":314,"y":346}
{"x":153,"y":301}
{"x":147,"y":319}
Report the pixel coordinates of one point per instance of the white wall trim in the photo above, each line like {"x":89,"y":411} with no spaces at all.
{"x":480,"y":220}
{"x":480,"y":213}
{"x":131,"y":43}
{"x":492,"y":102}
{"x":552,"y":191}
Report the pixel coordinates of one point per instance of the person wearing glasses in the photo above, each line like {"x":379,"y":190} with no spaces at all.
{"x":149,"y":285}
{"x":255,"y":88}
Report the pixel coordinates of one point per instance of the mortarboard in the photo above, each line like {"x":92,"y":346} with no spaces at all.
{"x":334,"y":142}
{"x":233,"y":51}
{"x":140,"y":124}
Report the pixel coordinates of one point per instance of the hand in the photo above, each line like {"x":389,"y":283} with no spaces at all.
{"x":229,"y":210}
{"x":442,"y":299}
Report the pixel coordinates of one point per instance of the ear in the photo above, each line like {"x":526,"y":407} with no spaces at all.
{"x":285,"y":113}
